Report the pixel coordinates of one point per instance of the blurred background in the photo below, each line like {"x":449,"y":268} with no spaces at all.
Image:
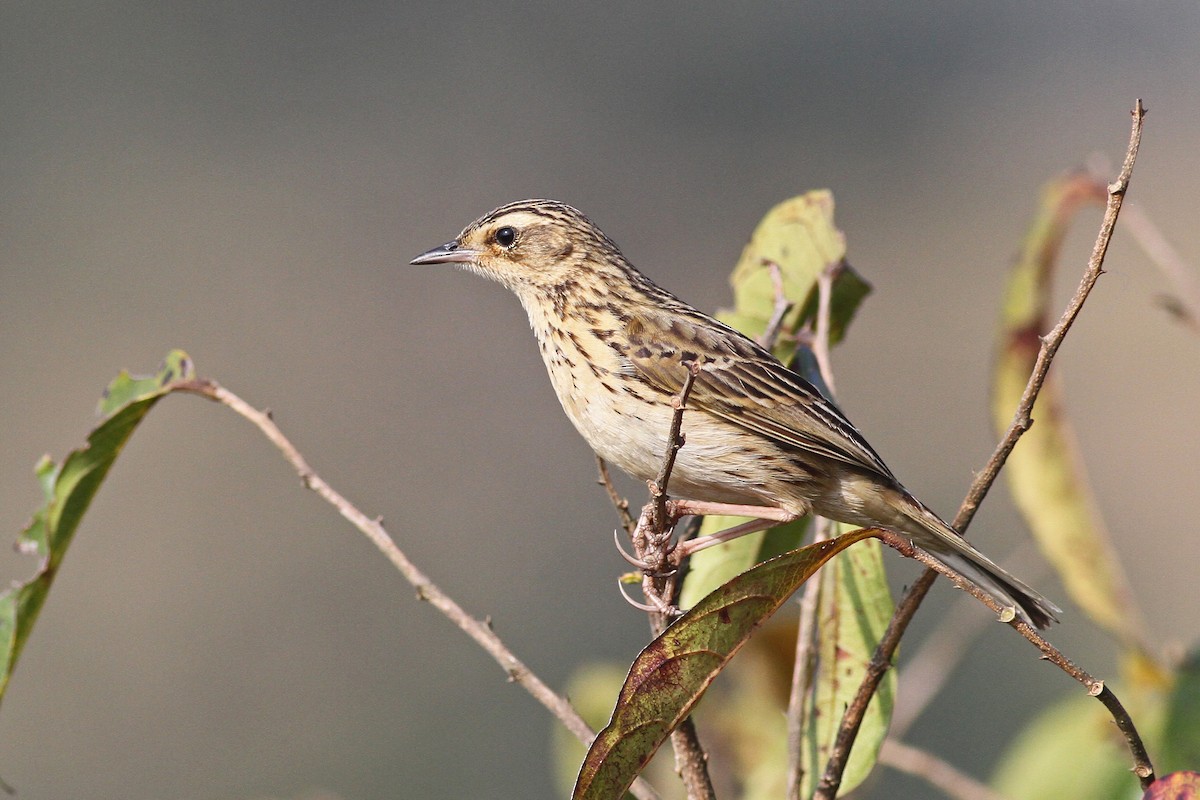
{"x":248,"y":181}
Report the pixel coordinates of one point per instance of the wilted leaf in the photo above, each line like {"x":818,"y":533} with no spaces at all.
{"x":69,"y":490}
{"x":672,"y":672}
{"x":1048,"y":480}
{"x":593,"y":689}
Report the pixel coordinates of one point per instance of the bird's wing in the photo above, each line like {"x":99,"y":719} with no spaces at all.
{"x":742,"y":383}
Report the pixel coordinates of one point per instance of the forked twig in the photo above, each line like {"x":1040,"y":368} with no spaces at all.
{"x":884,"y":652}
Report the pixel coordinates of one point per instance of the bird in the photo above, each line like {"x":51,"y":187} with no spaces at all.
{"x":760,"y":440}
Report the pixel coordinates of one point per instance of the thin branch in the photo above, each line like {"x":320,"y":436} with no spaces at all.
{"x":885,"y":651}
{"x":1184,"y":301}
{"x":619,"y":502}
{"x":804,"y":671}
{"x":804,"y":667}
{"x":477,"y":629}
{"x":675,"y":440}
{"x":652,"y":542}
{"x":1096,"y":688}
{"x":820,"y":346}
{"x":1022,"y":419}
{"x":953,"y":782}
{"x":780,"y":309}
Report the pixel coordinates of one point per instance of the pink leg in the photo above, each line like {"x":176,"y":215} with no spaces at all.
{"x":705,"y":508}
{"x":764,"y":517}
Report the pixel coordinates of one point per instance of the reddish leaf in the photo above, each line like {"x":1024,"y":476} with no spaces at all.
{"x":1176,"y":786}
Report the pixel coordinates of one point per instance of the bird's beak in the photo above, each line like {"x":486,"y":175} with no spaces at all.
{"x":448,"y":253}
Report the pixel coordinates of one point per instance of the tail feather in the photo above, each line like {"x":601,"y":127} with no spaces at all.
{"x":938,"y":539}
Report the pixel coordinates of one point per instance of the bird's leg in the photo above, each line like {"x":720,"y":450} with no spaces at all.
{"x":763,"y":517}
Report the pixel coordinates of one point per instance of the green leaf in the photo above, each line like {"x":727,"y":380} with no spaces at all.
{"x":798,"y":236}
{"x":68,"y":491}
{"x":671,"y":673}
{"x":853,"y":611}
{"x":1181,"y":731}
{"x":1048,"y":480}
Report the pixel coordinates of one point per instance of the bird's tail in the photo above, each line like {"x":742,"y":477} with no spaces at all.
{"x":929,"y":532}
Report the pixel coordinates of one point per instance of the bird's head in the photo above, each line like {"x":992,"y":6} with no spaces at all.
{"x":533,"y":247}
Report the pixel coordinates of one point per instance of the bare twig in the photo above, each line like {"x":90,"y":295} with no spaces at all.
{"x":652,"y":542}
{"x":1022,"y":418}
{"x":953,"y":782}
{"x":820,"y":346}
{"x":478,"y":630}
{"x":804,"y":669}
{"x":619,"y":502}
{"x":884,"y":652}
{"x":1096,"y":688}
{"x":1183,"y":302}
{"x":780,"y":309}
{"x":675,"y":440}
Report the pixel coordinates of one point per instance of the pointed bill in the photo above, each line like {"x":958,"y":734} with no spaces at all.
{"x":448,"y":253}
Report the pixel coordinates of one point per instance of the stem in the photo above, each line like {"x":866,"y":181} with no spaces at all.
{"x":614,"y":497}
{"x":804,"y":667}
{"x":882,"y":659}
{"x":652,"y":543}
{"x":804,"y":671}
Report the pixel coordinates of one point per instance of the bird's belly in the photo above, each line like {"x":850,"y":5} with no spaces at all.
{"x":718,"y":462}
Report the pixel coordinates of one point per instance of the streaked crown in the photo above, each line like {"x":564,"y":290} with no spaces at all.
{"x":533,"y":246}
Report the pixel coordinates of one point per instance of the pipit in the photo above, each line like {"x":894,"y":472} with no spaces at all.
{"x":760,"y":440}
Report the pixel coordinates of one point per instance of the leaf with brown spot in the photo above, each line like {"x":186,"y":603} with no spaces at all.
{"x":671,"y":674}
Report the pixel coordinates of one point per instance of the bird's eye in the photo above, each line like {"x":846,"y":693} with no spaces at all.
{"x":506,"y":236}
